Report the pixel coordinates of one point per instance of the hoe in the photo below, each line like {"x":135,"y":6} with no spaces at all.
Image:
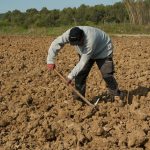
{"x":80,"y":95}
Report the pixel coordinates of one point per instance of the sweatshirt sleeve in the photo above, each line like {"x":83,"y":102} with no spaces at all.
{"x":87,"y":53}
{"x":56,"y":45}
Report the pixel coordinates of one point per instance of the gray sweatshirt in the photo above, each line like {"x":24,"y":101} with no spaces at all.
{"x":97,"y":45}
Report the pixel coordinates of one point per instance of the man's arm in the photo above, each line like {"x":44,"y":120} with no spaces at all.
{"x":56,"y":45}
{"x":83,"y":61}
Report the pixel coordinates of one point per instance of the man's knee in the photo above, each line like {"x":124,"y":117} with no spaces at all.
{"x":107,"y":69}
{"x":107,"y":75}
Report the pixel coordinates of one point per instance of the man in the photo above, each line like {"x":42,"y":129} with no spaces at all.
{"x":92,"y":45}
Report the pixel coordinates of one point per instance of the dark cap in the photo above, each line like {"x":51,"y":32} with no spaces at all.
{"x":75,"y":35}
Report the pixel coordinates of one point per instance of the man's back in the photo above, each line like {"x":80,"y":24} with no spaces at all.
{"x":98,"y":41}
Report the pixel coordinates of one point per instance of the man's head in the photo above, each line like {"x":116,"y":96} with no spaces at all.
{"x":76,"y":36}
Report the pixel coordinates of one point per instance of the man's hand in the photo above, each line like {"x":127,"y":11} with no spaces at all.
{"x":69,"y":81}
{"x":51,"y":66}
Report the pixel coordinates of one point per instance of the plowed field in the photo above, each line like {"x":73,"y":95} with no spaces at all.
{"x":37,"y":111}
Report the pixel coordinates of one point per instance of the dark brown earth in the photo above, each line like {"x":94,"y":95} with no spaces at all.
{"x":37,"y":111}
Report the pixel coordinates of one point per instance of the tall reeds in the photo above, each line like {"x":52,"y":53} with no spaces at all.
{"x":139,"y":11}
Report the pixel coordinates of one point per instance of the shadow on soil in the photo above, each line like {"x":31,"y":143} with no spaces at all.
{"x":140,"y":91}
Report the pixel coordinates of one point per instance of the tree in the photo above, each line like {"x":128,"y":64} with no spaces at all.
{"x":119,"y":12}
{"x":97,"y":13}
{"x":67,"y":16}
{"x":31,"y":16}
{"x":44,"y":10}
{"x":17,"y":18}
{"x":80,"y":15}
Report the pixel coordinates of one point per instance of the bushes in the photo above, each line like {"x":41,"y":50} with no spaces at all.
{"x":67,"y":16}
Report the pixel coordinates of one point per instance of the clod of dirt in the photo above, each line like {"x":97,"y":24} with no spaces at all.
{"x":49,"y":107}
{"x":141,"y":115}
{"x":28,"y":100}
{"x":148,"y":94}
{"x":135,"y":104}
{"x":4,"y":123}
{"x":100,"y":131}
{"x":50,"y":136}
{"x":1,"y":97}
{"x":3,"y":107}
{"x":147,"y":145}
{"x":136,"y":138}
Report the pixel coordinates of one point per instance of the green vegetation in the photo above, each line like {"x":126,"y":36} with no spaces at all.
{"x":111,"y":18}
{"x":55,"y":31}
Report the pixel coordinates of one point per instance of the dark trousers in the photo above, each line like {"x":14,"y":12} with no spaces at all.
{"x":106,"y":67}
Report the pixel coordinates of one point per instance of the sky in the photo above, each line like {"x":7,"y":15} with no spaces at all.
{"x":23,"y":5}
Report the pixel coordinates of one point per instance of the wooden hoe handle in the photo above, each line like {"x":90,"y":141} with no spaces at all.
{"x":80,"y":95}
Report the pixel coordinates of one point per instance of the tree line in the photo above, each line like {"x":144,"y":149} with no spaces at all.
{"x":120,"y":12}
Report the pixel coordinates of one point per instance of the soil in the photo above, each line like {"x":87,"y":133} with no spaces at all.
{"x":37,"y":111}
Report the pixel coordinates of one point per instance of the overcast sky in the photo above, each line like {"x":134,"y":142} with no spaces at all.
{"x":23,"y":5}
